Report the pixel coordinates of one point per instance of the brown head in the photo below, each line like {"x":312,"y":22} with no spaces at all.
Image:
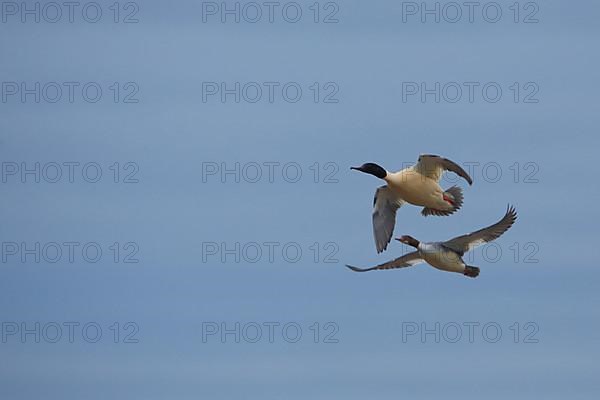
{"x":409,"y":240}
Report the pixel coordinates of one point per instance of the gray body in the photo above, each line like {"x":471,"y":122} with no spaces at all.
{"x":441,"y":257}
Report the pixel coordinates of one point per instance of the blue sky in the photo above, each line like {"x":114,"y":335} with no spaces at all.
{"x":161,"y":133}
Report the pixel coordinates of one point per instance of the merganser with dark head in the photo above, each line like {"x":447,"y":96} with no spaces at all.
{"x":447,"y":256}
{"x":418,"y":185}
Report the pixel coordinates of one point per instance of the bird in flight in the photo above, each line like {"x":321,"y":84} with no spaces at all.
{"x":418,"y":185}
{"x":447,"y":256}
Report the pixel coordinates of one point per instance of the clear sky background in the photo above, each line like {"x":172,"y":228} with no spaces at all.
{"x":541,"y":275}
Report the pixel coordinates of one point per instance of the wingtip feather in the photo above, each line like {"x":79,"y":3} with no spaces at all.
{"x":512,"y":212}
{"x":355,"y":269}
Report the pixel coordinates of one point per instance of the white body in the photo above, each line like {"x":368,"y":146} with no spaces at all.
{"x":418,"y":189}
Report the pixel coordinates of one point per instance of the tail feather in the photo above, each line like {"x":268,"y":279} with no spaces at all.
{"x":471,"y":272}
{"x":456,"y":196}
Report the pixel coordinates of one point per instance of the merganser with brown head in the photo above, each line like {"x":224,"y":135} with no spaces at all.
{"x":418,"y":185}
{"x":447,"y":256}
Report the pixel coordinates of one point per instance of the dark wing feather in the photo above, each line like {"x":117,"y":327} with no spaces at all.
{"x":464,"y":243}
{"x":407,"y":260}
{"x":434,"y":166}
{"x":385,"y":205}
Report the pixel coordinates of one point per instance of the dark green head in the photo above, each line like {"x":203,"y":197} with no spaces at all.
{"x":373,"y":169}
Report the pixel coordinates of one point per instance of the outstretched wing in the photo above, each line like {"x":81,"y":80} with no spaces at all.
{"x":407,"y":260}
{"x":385,"y":205}
{"x":464,"y":243}
{"x":434,"y":166}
